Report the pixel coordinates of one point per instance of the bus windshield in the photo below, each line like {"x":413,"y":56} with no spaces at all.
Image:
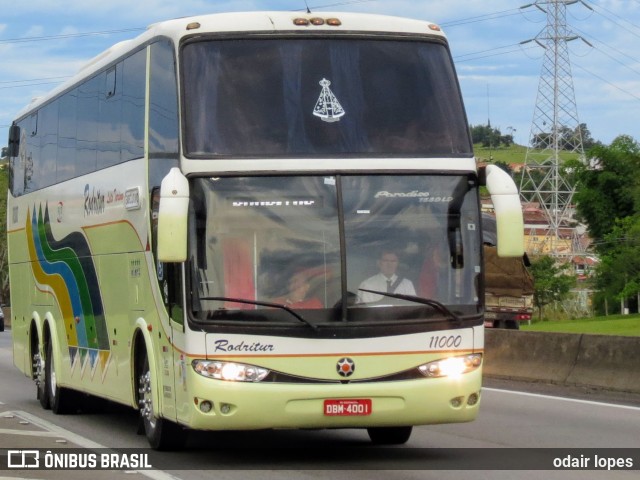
{"x":315,"y":243}
{"x":321,"y":97}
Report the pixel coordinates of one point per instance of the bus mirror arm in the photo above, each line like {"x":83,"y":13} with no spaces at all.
{"x":172,"y":217}
{"x":508,"y":210}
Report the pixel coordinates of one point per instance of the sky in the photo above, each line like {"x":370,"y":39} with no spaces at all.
{"x":44,"y":42}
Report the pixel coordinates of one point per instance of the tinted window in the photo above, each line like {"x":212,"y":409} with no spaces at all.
{"x":96,"y":125}
{"x":67,"y":125}
{"x":163,"y":113}
{"x":133,"y":92}
{"x":321,"y":97}
{"x":87,"y":132}
{"x":110,"y":102}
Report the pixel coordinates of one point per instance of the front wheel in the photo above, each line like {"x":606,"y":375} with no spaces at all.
{"x":389,"y":435}
{"x":61,"y":399}
{"x":162,"y":434}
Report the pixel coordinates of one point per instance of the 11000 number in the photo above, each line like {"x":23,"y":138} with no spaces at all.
{"x":445,"y":341}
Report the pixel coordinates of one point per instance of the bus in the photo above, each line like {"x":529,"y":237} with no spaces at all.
{"x":196,"y":220}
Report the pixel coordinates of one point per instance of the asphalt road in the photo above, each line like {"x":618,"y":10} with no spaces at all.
{"x":521,"y":427}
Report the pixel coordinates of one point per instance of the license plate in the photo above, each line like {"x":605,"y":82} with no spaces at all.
{"x":347,"y":407}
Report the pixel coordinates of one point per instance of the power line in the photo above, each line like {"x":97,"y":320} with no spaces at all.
{"x":68,"y":35}
{"x":598,"y":7}
{"x":331,"y":5}
{"x":459,"y":59}
{"x":33,"y":79}
{"x":29,"y":85}
{"x":606,"y":81}
{"x":473,"y":56}
{"x":482,"y":18}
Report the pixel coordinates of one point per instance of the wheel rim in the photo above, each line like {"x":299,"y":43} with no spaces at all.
{"x":52,"y":376}
{"x":38,"y":368}
{"x":145,"y":401}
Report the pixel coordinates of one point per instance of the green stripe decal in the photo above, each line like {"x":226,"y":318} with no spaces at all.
{"x":67,"y":267}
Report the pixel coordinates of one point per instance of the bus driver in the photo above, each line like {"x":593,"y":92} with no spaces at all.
{"x":386,"y":280}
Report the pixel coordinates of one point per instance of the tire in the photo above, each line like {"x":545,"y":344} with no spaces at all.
{"x":512,"y":325}
{"x":40,"y":376}
{"x":389,"y":435}
{"x":61,"y":399}
{"x":161,"y":433}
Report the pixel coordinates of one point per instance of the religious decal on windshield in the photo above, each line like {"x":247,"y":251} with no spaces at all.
{"x":328,"y":107}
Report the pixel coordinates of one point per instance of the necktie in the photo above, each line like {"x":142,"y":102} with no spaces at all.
{"x":389,"y":286}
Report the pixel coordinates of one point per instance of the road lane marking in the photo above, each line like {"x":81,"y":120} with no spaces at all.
{"x":563,"y":399}
{"x":57,"y":431}
{"x":9,"y":431}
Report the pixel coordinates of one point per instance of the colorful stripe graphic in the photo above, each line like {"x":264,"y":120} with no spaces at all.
{"x":65,"y":267}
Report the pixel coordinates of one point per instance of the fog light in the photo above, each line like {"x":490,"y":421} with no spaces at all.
{"x":225,"y":408}
{"x":206,"y":406}
{"x":473,"y":399}
{"x":456,"y":402}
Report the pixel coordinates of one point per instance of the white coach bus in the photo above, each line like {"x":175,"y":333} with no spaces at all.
{"x":202,"y":220}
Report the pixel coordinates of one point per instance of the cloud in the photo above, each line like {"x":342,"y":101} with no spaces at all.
{"x":484,"y":38}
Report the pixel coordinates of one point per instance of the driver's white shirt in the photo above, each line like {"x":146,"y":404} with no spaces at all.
{"x":379,"y":283}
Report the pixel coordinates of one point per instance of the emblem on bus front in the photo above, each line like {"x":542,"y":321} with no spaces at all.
{"x":345,"y":367}
{"x":328,"y":107}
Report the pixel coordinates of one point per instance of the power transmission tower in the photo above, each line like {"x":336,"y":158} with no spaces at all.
{"x":555,"y":127}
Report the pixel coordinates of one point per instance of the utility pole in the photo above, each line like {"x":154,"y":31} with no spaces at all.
{"x":555,"y":127}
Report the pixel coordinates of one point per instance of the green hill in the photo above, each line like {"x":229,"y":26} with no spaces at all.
{"x":512,"y":154}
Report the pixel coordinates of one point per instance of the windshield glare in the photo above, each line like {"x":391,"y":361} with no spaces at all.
{"x":277,"y":240}
{"x":312,"y":97}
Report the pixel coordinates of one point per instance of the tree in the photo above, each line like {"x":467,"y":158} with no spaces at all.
{"x":618,"y":273}
{"x":506,"y":140}
{"x":552,"y":281}
{"x":608,"y":200}
{"x":587,"y":140}
{"x":607,"y":189}
{"x":568,"y":139}
{"x":489,"y":137}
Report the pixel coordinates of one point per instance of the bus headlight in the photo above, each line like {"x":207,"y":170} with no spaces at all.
{"x":229,"y":371}
{"x":451,"y":366}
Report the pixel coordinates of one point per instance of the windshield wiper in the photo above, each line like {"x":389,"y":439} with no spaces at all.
{"x":263,"y":304}
{"x":441,"y":307}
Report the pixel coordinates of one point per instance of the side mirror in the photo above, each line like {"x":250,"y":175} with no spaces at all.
{"x":172,"y":217}
{"x":506,"y":204}
{"x":13,"y":149}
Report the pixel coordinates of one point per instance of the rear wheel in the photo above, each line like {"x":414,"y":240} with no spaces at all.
{"x":39,"y":375}
{"x":162,"y":434}
{"x":389,"y":435}
{"x":512,"y":325}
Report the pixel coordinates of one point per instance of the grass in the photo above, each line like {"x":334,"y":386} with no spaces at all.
{"x":624,"y":325}
{"x":512,"y":154}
